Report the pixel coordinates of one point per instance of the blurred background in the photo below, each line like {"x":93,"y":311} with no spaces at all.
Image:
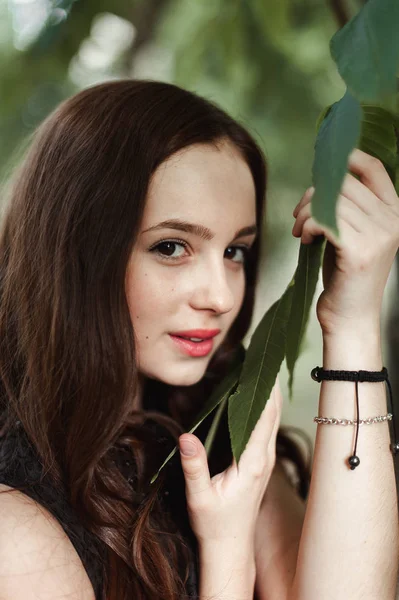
{"x":266,"y":62}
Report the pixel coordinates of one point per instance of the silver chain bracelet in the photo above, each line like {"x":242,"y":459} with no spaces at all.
{"x":369,"y":421}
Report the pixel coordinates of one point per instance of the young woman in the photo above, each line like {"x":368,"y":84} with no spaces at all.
{"x":134,"y":225}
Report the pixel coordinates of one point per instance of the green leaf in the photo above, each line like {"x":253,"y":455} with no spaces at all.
{"x":338,"y":135}
{"x":378,"y":137}
{"x":219,"y":395}
{"x":306,"y":277}
{"x":322,"y":116}
{"x":366,"y":51}
{"x":261,"y":366}
{"x":210,"y":438}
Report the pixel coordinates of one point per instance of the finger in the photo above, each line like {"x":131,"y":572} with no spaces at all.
{"x":352,"y":188}
{"x":351,"y":214}
{"x":345,"y":210}
{"x":279,"y":399}
{"x":367,"y":202}
{"x":360,"y":194}
{"x":276,"y":391}
{"x":304,"y":213}
{"x":195,"y":465}
{"x":304,"y":200}
{"x":312,"y":229}
{"x":374,"y":175}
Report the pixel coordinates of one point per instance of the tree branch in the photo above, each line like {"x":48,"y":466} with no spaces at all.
{"x":341,"y":11}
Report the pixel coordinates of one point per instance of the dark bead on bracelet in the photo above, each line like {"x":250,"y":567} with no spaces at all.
{"x":354,"y":461}
{"x":395,"y":448}
{"x":315,"y":374}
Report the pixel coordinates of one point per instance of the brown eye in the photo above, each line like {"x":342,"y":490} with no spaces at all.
{"x":169,"y":249}
{"x":237,"y":253}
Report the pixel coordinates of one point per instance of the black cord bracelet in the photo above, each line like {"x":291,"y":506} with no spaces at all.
{"x":319,"y":374}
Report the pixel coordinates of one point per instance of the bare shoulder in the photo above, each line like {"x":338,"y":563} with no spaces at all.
{"x":37,"y":559}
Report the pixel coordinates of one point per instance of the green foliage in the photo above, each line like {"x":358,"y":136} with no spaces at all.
{"x":261,"y":366}
{"x":305,"y":279}
{"x":265,"y":63}
{"x":366,"y":52}
{"x":338,"y":135}
{"x":275,"y":19}
{"x":378,"y":136}
{"x":341,"y":127}
{"x":34,"y":81}
{"x":219,"y":396}
{"x":210,"y":438}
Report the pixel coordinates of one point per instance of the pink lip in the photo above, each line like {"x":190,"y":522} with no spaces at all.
{"x":204,"y":334}
{"x":193,"y":348}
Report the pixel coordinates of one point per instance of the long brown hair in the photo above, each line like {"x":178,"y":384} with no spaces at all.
{"x":68,"y":370}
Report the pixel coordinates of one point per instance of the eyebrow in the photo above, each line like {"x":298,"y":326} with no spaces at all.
{"x":199,"y":230}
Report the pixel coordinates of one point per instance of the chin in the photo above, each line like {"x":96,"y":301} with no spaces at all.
{"x":178,"y":377}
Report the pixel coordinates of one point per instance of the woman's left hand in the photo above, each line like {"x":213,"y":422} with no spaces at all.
{"x":356,"y":266}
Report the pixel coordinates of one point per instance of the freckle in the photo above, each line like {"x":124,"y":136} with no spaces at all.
{"x":146,"y":337}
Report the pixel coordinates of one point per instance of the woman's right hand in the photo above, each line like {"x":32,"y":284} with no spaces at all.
{"x":223,"y":509}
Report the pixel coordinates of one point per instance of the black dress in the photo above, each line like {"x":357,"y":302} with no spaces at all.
{"x":20,"y":467}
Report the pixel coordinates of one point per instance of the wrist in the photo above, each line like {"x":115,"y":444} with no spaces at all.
{"x":362,"y":327}
{"x":238,"y":557}
{"x":236,"y":552}
{"x":226,"y":567}
{"x":353,"y":349}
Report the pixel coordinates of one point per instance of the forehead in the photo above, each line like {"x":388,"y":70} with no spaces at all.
{"x":203,"y":182}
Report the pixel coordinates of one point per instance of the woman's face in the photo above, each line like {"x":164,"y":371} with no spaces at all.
{"x":186,"y":271}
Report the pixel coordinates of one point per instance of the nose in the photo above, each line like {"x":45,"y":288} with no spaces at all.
{"x":212,"y":290}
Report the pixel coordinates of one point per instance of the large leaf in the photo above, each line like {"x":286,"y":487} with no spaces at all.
{"x":261,"y":366}
{"x":306,"y":277}
{"x":366,"y":51}
{"x":337,"y":136}
{"x":378,"y":136}
{"x":219,"y":395}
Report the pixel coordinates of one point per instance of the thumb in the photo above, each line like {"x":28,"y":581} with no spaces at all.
{"x":194,"y":463}
{"x":277,"y":393}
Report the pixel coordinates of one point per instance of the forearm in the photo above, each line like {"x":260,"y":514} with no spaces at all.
{"x":349,"y":543}
{"x":226,"y":573}
{"x":278,"y":533}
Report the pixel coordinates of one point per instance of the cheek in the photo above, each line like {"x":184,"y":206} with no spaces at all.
{"x":150,"y":299}
{"x":238,"y":287}
{"x":143,"y":295}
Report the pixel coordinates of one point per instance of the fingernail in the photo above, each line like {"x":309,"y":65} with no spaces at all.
{"x":187,"y":448}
